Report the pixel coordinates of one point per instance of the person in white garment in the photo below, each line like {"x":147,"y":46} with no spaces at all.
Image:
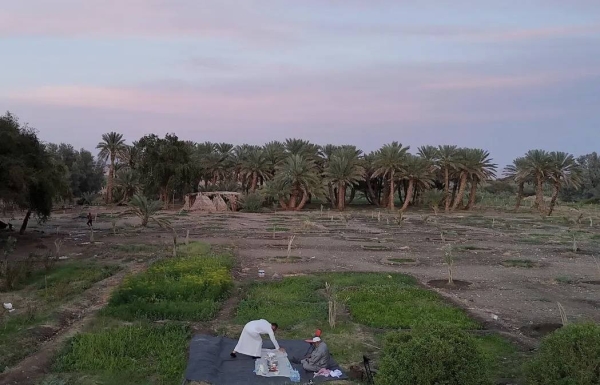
{"x":250,"y":342}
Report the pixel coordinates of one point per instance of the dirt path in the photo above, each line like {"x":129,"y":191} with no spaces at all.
{"x":31,"y":369}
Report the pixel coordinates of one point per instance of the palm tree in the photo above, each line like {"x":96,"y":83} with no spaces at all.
{"x":296,"y":178}
{"x":538,"y":166}
{"x":111,"y":148}
{"x":255,"y":166}
{"x":461,"y":159}
{"x":418,"y":172}
{"x":515,"y":172}
{"x":128,"y":181}
{"x":479,"y":168}
{"x":343,"y":169}
{"x":446,"y":160}
{"x":146,"y":210}
{"x":274,"y":153}
{"x":390,"y":160}
{"x":564,"y":172}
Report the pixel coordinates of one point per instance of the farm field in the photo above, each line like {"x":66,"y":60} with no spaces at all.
{"x":93,"y":317}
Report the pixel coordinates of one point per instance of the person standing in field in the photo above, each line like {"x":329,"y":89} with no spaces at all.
{"x":89,"y":220}
{"x":250,"y":342}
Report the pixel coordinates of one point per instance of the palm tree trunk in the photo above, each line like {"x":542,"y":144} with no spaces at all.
{"x":391,"y":202}
{"x":341,"y":196}
{"x":371,"y":193}
{"x":254,"y":181}
{"x":519,"y":195}
{"x":25,"y":222}
{"x":352,"y":194}
{"x":283,"y":204}
{"x":409,"y":194}
{"x":554,"y":197}
{"x":111,"y":175}
{"x":293,"y":198}
{"x":539,"y":193}
{"x":447,"y":188}
{"x":461,"y":190}
{"x":472,"y":193}
{"x":302,"y":200}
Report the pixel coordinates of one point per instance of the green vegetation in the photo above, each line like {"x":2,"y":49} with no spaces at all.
{"x":376,"y":300}
{"x":20,"y":334}
{"x":569,"y":356}
{"x":527,"y":263}
{"x":253,"y":202}
{"x":190,"y":287}
{"x":432,"y":354}
{"x":128,"y":354}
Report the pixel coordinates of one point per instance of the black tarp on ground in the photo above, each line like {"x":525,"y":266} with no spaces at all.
{"x":210,"y":362}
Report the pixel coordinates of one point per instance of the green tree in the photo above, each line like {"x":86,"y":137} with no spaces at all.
{"x":515,"y":171}
{"x":564,"y":172}
{"x":30,"y":178}
{"x":296,"y":178}
{"x":128,"y":181}
{"x":418,"y":172}
{"x":537,"y":165}
{"x":344,"y":169}
{"x":112,"y":147}
{"x":388,"y":163}
{"x":479,"y":167}
{"x":255,"y":166}
{"x":446,"y":158}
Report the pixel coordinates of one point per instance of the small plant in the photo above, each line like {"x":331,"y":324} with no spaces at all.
{"x":575,"y":248}
{"x":9,"y":271}
{"x":174,"y":243}
{"x":569,"y":356}
{"x":449,"y":260}
{"x":330,"y":293}
{"x":433,"y":198}
{"x":146,"y":210}
{"x":563,"y":314}
{"x":57,"y":245}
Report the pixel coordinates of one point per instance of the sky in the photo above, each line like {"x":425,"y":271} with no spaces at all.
{"x":506,"y":76}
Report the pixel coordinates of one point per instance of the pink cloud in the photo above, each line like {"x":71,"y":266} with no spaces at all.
{"x":518,"y":81}
{"x":285,"y":106}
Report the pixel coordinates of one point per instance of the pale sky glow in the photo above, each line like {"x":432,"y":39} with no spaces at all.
{"x":505,"y":76}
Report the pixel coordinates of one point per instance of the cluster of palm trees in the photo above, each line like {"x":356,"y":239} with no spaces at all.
{"x":295,"y":171}
{"x":539,"y":168}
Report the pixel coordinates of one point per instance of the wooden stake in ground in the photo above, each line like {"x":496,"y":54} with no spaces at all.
{"x":449,"y":259}
{"x":289,"y":248}
{"x":187,"y":237}
{"x":174,"y":243}
{"x":91,"y":234}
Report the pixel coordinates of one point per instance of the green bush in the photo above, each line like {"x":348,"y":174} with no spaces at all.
{"x":569,"y":356}
{"x":253,"y":202}
{"x":432,"y":355}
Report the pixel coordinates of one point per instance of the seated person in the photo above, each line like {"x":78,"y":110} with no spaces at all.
{"x":318,"y":358}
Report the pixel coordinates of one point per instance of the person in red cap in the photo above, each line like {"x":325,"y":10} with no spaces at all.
{"x":319,"y":357}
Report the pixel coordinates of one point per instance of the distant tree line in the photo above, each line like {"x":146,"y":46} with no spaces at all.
{"x":291,"y":174}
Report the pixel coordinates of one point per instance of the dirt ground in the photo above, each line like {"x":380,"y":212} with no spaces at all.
{"x":520,"y":301}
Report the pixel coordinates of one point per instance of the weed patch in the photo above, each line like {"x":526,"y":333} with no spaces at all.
{"x":526,"y":263}
{"x":190,"y":287}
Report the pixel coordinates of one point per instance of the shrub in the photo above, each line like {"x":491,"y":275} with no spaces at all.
{"x":432,"y":355}
{"x":569,"y":356}
{"x":253,"y":202}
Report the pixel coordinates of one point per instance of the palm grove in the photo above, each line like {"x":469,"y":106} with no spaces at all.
{"x":290,"y":173}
